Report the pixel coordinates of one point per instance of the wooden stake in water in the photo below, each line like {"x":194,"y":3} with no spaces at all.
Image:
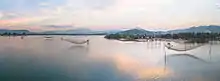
{"x":210,"y":50}
{"x":165,"y":58}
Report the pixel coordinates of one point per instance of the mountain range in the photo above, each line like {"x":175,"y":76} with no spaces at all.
{"x":2,"y":31}
{"x":135,"y":31}
{"x":82,"y":31}
{"x":199,"y":29}
{"x":141,"y":32}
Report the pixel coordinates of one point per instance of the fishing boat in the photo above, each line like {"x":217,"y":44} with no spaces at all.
{"x":48,"y":38}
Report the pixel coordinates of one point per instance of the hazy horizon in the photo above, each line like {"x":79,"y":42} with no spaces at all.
{"x":43,"y":15}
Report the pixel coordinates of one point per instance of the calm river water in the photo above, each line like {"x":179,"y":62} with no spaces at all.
{"x":35,"y":58}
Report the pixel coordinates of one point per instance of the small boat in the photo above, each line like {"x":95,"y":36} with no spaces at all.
{"x":48,"y":38}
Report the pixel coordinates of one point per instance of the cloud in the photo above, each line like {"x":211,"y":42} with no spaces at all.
{"x":8,"y":15}
{"x":218,"y":5}
{"x":44,"y":4}
{"x":99,"y":4}
{"x":1,"y":15}
{"x":21,"y":21}
{"x":58,"y":26}
{"x":151,"y":14}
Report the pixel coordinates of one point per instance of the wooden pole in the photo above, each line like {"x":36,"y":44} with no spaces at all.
{"x":165,"y":57}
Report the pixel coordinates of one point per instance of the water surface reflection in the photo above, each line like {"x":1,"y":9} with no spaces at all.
{"x":35,"y":59}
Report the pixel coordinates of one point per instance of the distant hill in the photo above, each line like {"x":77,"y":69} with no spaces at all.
{"x":58,"y":26}
{"x":81,"y":31}
{"x":112,"y":31}
{"x":199,"y":29}
{"x":130,"y":34}
{"x":136,"y":31}
{"x":2,"y":31}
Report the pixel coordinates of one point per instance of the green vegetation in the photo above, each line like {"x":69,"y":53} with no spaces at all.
{"x":13,"y":34}
{"x":128,"y":37}
{"x":190,"y":37}
{"x":193,"y":37}
{"x":200,"y":34}
{"x":131,"y":34}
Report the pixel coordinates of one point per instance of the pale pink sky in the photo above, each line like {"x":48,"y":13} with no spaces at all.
{"x":108,"y":14}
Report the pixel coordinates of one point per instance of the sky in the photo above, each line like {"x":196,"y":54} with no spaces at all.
{"x":41,"y":15}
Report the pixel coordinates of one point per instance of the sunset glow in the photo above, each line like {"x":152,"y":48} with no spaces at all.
{"x":109,"y":14}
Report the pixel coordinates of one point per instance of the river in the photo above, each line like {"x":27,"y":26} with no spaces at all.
{"x":34,"y":58}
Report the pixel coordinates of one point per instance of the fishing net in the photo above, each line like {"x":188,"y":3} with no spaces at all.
{"x":182,"y":47}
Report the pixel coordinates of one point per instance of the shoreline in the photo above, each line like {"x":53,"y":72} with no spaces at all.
{"x":181,"y":41}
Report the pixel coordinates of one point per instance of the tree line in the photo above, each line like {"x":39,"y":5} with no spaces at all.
{"x":13,"y":34}
{"x":191,"y":37}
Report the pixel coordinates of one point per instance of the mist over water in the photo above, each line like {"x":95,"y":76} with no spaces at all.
{"x":35,"y":58}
